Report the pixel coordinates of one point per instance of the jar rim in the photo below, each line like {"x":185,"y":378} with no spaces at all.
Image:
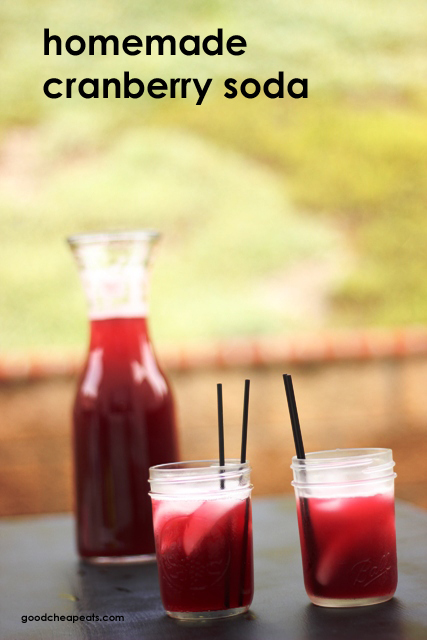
{"x":200,"y":465}
{"x":342,"y":466}
{"x":113,"y":236}
{"x":343,"y":457}
{"x":198,"y":471}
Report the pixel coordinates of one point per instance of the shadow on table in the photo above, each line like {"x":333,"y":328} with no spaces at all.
{"x":132,"y":591}
{"x":376,"y":622}
{"x":126,"y":589}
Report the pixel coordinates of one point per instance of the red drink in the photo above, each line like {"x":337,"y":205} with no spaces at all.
{"x":123,"y":424}
{"x":204,"y":554}
{"x":348,"y":547}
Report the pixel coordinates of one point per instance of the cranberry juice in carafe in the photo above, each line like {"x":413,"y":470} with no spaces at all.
{"x":123,"y":416}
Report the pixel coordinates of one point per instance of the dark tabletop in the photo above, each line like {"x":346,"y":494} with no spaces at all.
{"x":40,"y":573}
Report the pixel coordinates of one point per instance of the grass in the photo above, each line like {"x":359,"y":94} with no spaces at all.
{"x":242,"y":189}
{"x":359,"y":164}
{"x":211,"y":263}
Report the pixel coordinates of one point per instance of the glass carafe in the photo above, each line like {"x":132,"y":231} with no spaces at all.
{"x":123,"y":418}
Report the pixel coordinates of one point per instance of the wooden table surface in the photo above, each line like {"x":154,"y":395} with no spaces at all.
{"x":40,"y":574}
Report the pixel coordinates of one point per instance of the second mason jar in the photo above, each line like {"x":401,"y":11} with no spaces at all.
{"x":345,"y":505}
{"x":203,"y":531}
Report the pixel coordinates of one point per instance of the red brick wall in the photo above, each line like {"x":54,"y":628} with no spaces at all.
{"x":353,"y":389}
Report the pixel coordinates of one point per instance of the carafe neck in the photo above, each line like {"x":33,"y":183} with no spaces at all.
{"x":114,"y":272}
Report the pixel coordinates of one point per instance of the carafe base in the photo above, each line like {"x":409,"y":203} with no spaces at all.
{"x":118,"y":560}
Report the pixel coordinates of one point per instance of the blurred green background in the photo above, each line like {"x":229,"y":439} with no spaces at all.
{"x":277,"y":214}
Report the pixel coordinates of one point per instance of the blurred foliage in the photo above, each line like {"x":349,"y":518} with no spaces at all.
{"x":243,"y":189}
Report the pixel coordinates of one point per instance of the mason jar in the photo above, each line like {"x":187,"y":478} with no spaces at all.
{"x":203,"y":533}
{"x":345,"y":506}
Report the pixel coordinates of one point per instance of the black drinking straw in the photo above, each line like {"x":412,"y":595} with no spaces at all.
{"x":245,"y":422}
{"x":220,"y":431}
{"x":299,"y":447}
{"x":222,"y":482}
{"x":246,"y":523}
{"x":296,"y":428}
